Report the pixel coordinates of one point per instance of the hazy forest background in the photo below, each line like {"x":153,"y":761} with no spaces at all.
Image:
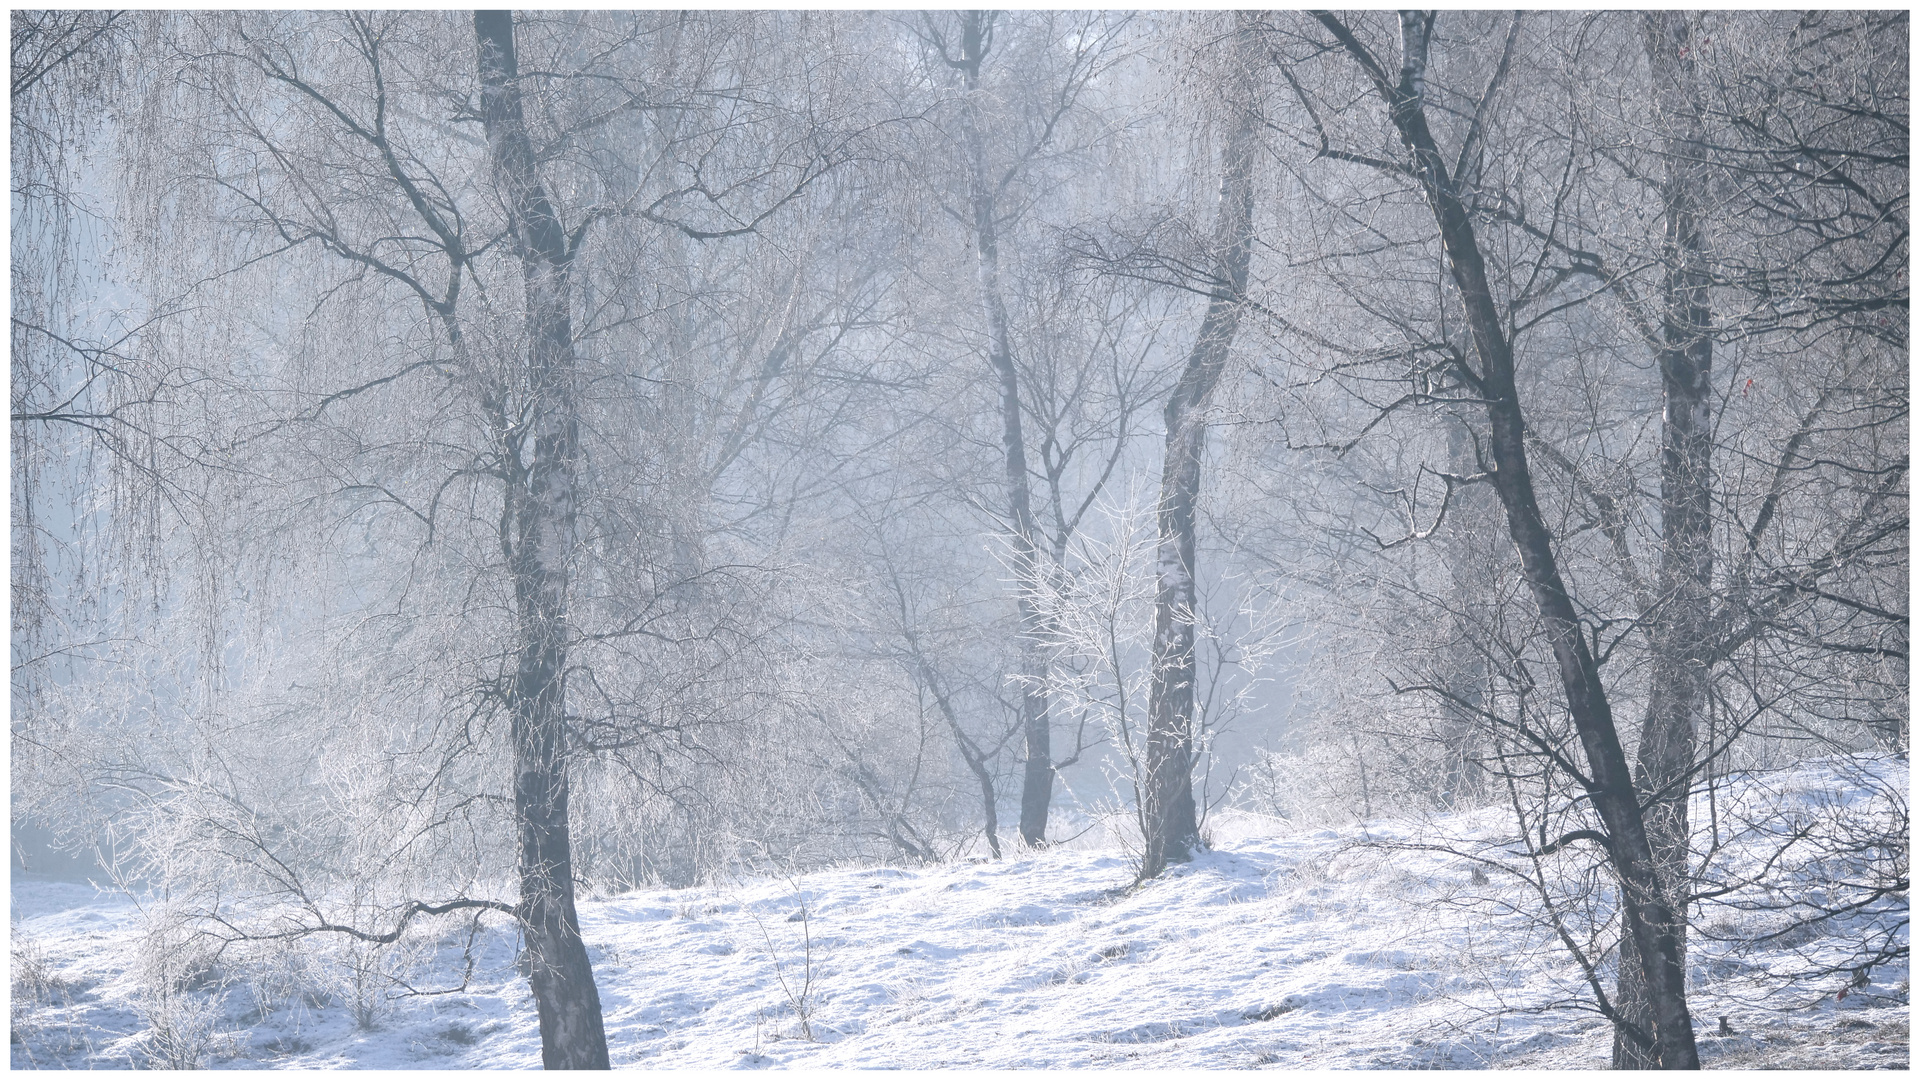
{"x":464,"y":464}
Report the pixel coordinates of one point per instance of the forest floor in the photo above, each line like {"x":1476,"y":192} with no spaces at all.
{"x":1342,"y":948}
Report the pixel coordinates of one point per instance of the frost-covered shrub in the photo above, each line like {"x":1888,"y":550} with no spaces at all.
{"x":181,"y":997}
{"x":34,"y":984}
{"x":279,"y":974}
{"x":1336,"y":783}
{"x":833,"y":770}
{"x":362,"y":974}
{"x":183,"y":1029}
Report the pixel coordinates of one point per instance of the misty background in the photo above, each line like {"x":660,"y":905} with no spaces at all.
{"x":474,"y":460}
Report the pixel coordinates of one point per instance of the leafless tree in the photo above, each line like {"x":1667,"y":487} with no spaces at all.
{"x":340,"y":160}
{"x":1607,"y":779}
{"x":1171,"y":822}
{"x":999,"y":155}
{"x":465,"y":461}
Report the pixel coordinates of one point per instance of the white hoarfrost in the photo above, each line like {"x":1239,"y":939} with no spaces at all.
{"x":1325,"y":948}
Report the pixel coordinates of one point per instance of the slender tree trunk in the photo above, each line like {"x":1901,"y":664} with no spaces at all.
{"x":1036,"y":792}
{"x":988,"y":800}
{"x":1168,"y":818}
{"x":541,"y":504}
{"x":1644,"y":904}
{"x":970,"y":752}
{"x":1683,"y":607}
{"x":1469,"y":530}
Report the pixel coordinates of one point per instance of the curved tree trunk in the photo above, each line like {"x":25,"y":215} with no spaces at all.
{"x":1169,"y":823}
{"x":1645,"y":910}
{"x":541,"y":503}
{"x":1678,"y":691}
{"x":1036,"y":792}
{"x":970,"y":752}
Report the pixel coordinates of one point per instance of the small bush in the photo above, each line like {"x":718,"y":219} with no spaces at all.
{"x":181,"y":998}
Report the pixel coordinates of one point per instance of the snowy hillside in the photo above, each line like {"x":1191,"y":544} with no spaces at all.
{"x":1327,"y":948}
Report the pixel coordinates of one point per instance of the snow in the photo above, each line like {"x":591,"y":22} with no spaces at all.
{"x":1326,"y":948}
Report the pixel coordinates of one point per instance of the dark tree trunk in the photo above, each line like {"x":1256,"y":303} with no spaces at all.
{"x":1679,"y":632}
{"x":1169,"y":823}
{"x":540,"y":458}
{"x":1645,"y":910}
{"x":1036,"y":791}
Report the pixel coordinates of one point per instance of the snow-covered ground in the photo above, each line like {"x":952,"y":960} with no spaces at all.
{"x":1318,"y":949}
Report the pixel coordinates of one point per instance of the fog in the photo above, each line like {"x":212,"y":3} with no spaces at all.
{"x":467,"y":465}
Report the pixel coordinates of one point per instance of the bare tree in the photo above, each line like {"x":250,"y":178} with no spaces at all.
{"x":990,"y":207}
{"x":83,"y":394}
{"x":1169,"y":816}
{"x":542,"y":447}
{"x":1607,"y":780}
{"x":462,"y":464}
{"x":455,"y":444}
{"x":1664,"y":760}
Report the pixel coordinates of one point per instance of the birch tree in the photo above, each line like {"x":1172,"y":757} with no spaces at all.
{"x":1172,"y":828}
{"x":420,"y":183}
{"x":541,"y":466}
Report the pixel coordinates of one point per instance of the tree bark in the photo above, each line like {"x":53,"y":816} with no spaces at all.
{"x":1645,"y":910}
{"x":540,"y":459}
{"x":1169,"y":824}
{"x":1683,"y":606}
{"x":1036,"y":791}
